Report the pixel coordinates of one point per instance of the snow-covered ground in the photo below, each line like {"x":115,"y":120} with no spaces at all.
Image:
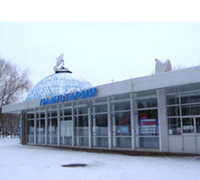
{"x":19,"y":162}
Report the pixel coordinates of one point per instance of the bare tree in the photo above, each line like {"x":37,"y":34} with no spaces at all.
{"x":13,"y":83}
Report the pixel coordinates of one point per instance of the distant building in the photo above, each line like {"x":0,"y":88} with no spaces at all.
{"x":156,"y":113}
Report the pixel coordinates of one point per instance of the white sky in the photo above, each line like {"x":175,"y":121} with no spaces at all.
{"x":98,"y":50}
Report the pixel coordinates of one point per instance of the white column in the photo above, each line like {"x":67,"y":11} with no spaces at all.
{"x":50,"y":128}
{"x":113,"y":126}
{"x":73,"y":126}
{"x":58,"y":125}
{"x":39,"y":129}
{"x":162,"y":121}
{"x":89,"y":127}
{"x":132,"y":122}
{"x":94,"y":126}
{"x":109,"y":124}
{"x":35,"y":126}
{"x":46,"y":126}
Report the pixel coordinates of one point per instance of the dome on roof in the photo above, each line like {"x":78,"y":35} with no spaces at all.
{"x":58,"y":83}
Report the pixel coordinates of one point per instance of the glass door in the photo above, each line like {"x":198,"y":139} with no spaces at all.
{"x":189,"y":133}
{"x":197,"y":121}
{"x":146,"y":124}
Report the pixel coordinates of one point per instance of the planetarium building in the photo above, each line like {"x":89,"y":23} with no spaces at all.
{"x":156,"y":113}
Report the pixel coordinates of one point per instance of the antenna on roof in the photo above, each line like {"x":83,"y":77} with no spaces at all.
{"x":62,"y":69}
{"x":60,"y":60}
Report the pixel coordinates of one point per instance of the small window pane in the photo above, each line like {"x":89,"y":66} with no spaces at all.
{"x":146,"y":93}
{"x":191,"y":110}
{"x":190,"y":97}
{"x":122,"y":123}
{"x":147,"y":103}
{"x":172,"y":90}
{"x":173,"y":111}
{"x":30,"y":116}
{"x":100,"y":108}
{"x":100,"y":125}
{"x":198,"y":125}
{"x":172,"y":99}
{"x":67,"y":112}
{"x":174,"y":126}
{"x":121,"y":106}
{"x":188,"y":125}
{"x":104,"y":99}
{"x":81,"y":110}
{"x":121,"y":96}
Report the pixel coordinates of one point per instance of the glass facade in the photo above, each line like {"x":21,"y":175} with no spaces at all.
{"x":87,"y":123}
{"x":183,"y":109}
{"x":125,"y":121}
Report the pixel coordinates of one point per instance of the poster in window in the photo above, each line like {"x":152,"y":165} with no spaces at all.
{"x":147,"y":126}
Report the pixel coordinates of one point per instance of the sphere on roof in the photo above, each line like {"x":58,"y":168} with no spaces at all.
{"x":59,"y":83}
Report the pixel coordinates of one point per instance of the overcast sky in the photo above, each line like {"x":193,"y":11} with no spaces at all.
{"x":99,"y":52}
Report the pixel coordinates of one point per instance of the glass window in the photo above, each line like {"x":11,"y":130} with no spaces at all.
{"x":100,"y":130}
{"x":148,"y":122}
{"x":146,"y":93}
{"x":172,"y":90}
{"x":67,"y":112}
{"x":87,"y":102}
{"x":52,"y":113}
{"x":149,"y":142}
{"x":188,"y":125}
{"x":100,"y":108}
{"x":82,"y":110}
{"x":190,"y":97}
{"x":66,"y":131}
{"x":174,"y":126}
{"x":52,"y":130}
{"x":104,"y":99}
{"x":121,"y":106}
{"x":172,"y":99}
{"x":122,"y":123}
{"x":30,"y":131}
{"x":42,"y":115}
{"x":121,"y":97}
{"x":122,"y":142}
{"x":173,"y":111}
{"x":30,"y":116}
{"x":100,"y":125}
{"x":189,"y":87}
{"x":148,"y":114}
{"x":81,"y":131}
{"x":30,"y":127}
{"x":147,"y":103}
{"x":191,"y":110}
{"x":68,"y":118}
{"x":198,"y":125}
{"x":81,"y":126}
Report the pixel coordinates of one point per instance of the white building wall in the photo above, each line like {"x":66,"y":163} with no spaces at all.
{"x":157,"y":81}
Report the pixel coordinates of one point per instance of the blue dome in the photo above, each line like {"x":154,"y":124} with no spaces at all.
{"x":56,"y":84}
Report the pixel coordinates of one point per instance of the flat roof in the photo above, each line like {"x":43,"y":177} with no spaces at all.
{"x":155,"y":81}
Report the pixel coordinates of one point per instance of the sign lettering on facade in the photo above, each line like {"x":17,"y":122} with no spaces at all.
{"x":84,"y":94}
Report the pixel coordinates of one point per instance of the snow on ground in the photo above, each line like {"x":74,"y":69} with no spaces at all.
{"x":19,"y":162}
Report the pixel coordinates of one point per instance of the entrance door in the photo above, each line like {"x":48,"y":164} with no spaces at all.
{"x":190,"y":134}
{"x":197,"y":123}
